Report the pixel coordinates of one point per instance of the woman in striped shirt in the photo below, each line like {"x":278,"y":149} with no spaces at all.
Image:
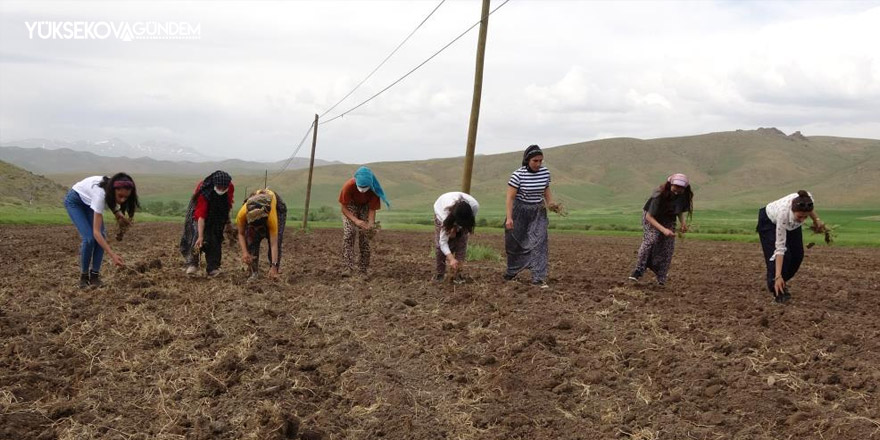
{"x":779,"y":226}
{"x":525,"y":237}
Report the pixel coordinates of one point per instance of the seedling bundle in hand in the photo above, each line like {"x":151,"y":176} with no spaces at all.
{"x":827,"y":230}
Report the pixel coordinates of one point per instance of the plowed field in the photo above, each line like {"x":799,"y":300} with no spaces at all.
{"x":157,"y":355}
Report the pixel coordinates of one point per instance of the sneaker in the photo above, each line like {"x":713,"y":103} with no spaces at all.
{"x":84,"y":281}
{"x":661,"y":283}
{"x":507,"y":277}
{"x":540,"y":283}
{"x":635,"y":276}
{"x":95,"y":280}
{"x":459,"y":279}
{"x":192,"y":270}
{"x":439,"y":277}
{"x":213,"y":273}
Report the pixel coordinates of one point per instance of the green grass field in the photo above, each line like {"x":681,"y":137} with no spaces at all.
{"x":852,"y":227}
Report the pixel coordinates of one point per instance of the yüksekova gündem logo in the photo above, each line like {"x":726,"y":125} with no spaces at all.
{"x":110,"y":30}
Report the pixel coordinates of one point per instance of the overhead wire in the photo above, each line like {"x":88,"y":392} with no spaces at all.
{"x":384,"y":61}
{"x":413,"y":70}
{"x":298,"y":147}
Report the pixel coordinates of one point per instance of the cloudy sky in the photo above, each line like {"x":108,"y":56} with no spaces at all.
{"x":556,"y":72}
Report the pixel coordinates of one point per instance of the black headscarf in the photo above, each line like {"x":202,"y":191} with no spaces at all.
{"x":217,"y":178}
{"x":531,"y":152}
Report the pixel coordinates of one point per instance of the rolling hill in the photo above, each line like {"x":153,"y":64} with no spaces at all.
{"x":728,"y":169}
{"x":734,"y":169}
{"x":22,"y":188}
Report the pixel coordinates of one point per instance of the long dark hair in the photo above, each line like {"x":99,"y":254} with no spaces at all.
{"x":121,"y":180}
{"x":666,"y":196}
{"x":461,"y":214}
{"x":803,"y":202}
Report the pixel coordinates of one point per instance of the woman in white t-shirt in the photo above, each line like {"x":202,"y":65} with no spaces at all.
{"x":454,"y":219}
{"x":85,"y":204}
{"x":779,"y":226}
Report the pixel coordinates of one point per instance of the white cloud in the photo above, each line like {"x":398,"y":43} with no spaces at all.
{"x":556,"y":72}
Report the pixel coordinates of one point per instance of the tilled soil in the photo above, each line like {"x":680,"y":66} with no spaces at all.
{"x":157,"y":355}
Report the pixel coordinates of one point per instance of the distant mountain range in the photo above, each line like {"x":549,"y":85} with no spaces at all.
{"x":66,"y":160}
{"x":118,"y":148}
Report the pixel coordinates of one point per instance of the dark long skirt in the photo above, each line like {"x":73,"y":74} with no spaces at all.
{"x":527,"y":243}
{"x":656,"y":250}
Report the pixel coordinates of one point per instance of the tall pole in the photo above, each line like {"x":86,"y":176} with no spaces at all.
{"x":311,"y":169}
{"x":475,"y":104}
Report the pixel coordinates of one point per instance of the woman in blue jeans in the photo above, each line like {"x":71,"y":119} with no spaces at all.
{"x":85,"y":204}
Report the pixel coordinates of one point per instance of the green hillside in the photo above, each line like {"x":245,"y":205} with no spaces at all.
{"x":728,"y":170}
{"x":19,"y":187}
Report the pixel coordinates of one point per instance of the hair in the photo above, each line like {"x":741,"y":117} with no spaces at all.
{"x":128,"y":207}
{"x":666,"y":195}
{"x":803,"y":202}
{"x":461,"y":214}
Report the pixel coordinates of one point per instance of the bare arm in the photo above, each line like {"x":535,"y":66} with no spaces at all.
{"x":371,"y":219}
{"x":650,"y":218}
{"x":98,"y":221}
{"x":511,"y":193}
{"x":350,"y":215}
{"x":548,"y":197}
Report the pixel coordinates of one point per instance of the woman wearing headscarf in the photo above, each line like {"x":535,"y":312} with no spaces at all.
{"x":207,"y":216}
{"x":779,"y":227}
{"x":454,"y":220}
{"x":360,"y":198}
{"x":262,"y":216}
{"x":668,"y":201}
{"x":85,"y":204}
{"x":525,"y":236}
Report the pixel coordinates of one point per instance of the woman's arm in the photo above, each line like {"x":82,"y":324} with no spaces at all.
{"x":511,"y":193}
{"x":201,"y":229}
{"x":273,"y":246}
{"x":371,"y":219}
{"x":667,"y":232}
{"x":350,"y":215}
{"x":97,"y":222}
{"x":246,"y":257}
{"x":548,"y":197}
{"x":682,"y":222}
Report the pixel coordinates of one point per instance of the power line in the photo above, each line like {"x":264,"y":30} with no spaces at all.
{"x":311,"y":126}
{"x":385,"y":60}
{"x":290,"y":159}
{"x":413,"y":70}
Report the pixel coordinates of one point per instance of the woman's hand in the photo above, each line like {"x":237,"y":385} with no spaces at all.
{"x":247,"y":258}
{"x":273,"y":272}
{"x":117,"y":260}
{"x":199,"y":243}
{"x":668,"y":232}
{"x":452,"y":262}
{"x":122,"y":220}
{"x":684,"y":228}
{"x":779,"y":286}
{"x":508,"y":223}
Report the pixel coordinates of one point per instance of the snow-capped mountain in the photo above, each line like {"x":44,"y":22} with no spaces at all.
{"x":116,"y":147}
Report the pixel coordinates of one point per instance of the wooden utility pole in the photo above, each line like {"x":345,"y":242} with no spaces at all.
{"x":311,"y":169}
{"x":475,"y":104}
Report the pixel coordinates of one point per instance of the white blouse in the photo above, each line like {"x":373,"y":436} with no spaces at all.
{"x":441,"y":207}
{"x":779,"y":212}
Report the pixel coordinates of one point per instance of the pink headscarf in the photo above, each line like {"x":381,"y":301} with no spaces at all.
{"x":678,"y":179}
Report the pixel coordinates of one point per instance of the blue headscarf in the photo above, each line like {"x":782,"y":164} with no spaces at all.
{"x":364,"y":177}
